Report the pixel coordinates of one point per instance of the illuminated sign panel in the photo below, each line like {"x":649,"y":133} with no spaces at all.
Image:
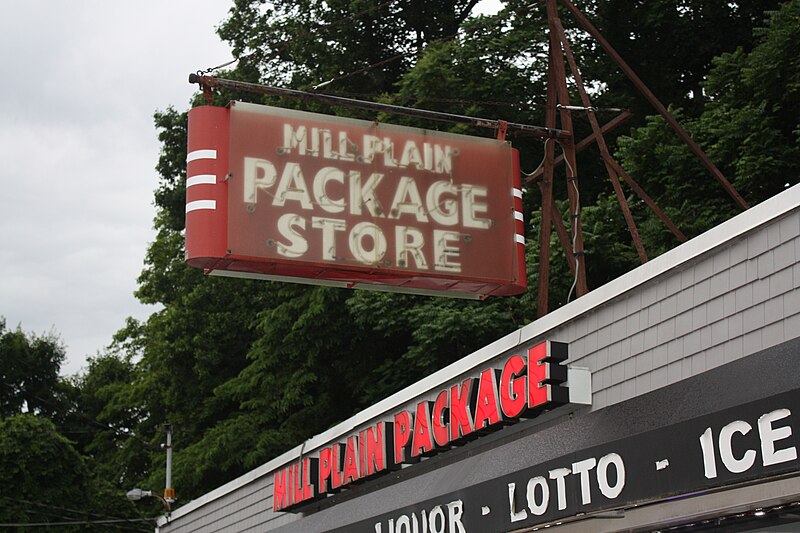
{"x":296,"y":196}
{"x":528,"y":384}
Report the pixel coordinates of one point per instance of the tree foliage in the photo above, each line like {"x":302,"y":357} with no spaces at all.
{"x":44,"y":434}
{"x":29,"y":373}
{"x":671,"y":44}
{"x":36,"y":464}
{"x":749,"y":126}
{"x":45,"y":480}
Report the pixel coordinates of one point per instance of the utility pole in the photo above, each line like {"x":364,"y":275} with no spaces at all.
{"x":169,"y":492}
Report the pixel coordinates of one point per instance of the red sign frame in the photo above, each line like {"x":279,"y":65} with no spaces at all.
{"x":292,"y":196}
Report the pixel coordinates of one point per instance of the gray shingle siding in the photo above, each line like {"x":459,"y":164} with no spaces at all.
{"x":742,"y":298}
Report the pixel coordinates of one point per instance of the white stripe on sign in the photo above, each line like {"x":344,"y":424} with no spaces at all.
{"x":201,"y":179}
{"x":518,"y":216}
{"x":517,"y":193}
{"x":201,"y":154}
{"x":520,"y":238}
{"x":201,"y":204}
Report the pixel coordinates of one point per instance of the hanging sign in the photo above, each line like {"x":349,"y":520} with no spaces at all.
{"x":281,"y":194}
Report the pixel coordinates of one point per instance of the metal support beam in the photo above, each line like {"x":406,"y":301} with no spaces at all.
{"x":647,"y":200}
{"x":557,"y":60}
{"x":546,"y":188}
{"x":601,"y":142}
{"x":210,"y":82}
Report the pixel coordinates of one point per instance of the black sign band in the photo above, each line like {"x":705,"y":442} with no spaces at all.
{"x":744,"y":443}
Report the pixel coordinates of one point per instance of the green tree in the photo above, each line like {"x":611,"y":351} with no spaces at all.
{"x":45,"y":480}
{"x":749,"y":124}
{"x":671,"y":45}
{"x":45,"y":477}
{"x":37,"y":464}
{"x":105,"y":422}
{"x":29,"y":368}
{"x":303,"y":43}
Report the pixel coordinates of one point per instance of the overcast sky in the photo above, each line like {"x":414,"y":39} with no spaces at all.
{"x":81,"y":81}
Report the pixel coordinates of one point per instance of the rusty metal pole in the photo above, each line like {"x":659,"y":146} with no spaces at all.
{"x":557,"y":60}
{"x":614,"y":169}
{"x":563,"y":237}
{"x":546,"y":187}
{"x":647,"y":200}
{"x":656,"y":103}
{"x":601,"y":142}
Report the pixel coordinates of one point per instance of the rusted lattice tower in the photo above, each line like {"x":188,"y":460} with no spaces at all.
{"x":558,"y":103}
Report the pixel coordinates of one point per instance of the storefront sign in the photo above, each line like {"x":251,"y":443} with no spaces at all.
{"x":740,"y":444}
{"x":282,"y":194}
{"x":527,"y":384}
{"x":443,"y":518}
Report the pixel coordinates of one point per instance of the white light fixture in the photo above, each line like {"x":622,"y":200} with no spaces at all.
{"x":137,"y":494}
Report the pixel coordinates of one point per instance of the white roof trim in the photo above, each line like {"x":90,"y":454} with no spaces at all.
{"x":732,"y":229}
